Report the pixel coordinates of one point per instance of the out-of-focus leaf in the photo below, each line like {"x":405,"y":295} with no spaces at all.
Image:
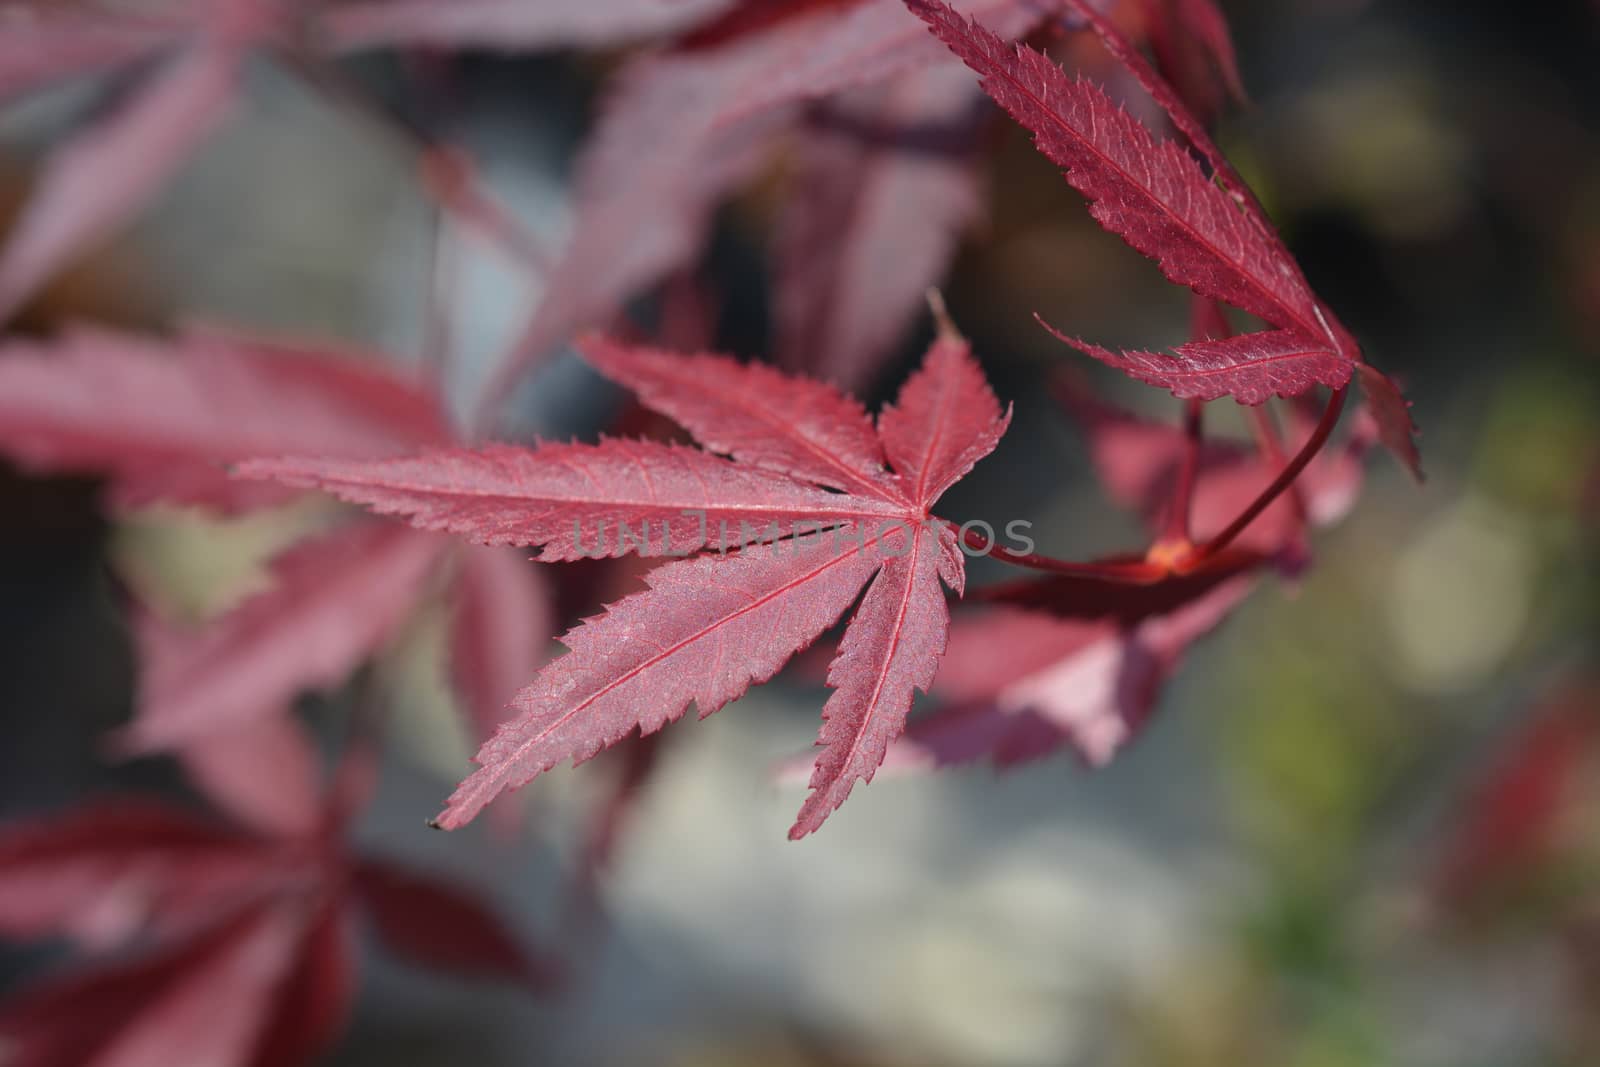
{"x":336,"y":599}
{"x":886,"y":181}
{"x":106,"y":174}
{"x":161,"y":420}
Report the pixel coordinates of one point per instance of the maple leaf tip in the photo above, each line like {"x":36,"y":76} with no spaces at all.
{"x":801,"y":829}
{"x":1067,"y":339}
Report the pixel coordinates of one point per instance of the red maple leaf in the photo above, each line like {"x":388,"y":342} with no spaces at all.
{"x":685,"y":125}
{"x":820,"y":517}
{"x":333,"y":601}
{"x":243,"y":772}
{"x":886,"y":181}
{"x":680,"y":129}
{"x":161,"y":421}
{"x":232,"y":945}
{"x":1194,"y":47}
{"x":1204,"y":230}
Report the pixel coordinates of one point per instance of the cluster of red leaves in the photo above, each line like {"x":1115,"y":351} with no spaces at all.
{"x":223,"y":944}
{"x":795,"y":508}
{"x":259,"y":943}
{"x":697,"y":113}
{"x":884,"y":140}
{"x":689,"y":119}
{"x":161,"y":421}
{"x":1089,"y":678}
{"x":806,"y":461}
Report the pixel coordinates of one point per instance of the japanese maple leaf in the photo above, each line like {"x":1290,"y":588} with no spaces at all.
{"x":1194,"y":47}
{"x":680,"y":129}
{"x":162,"y":420}
{"x":334,"y":599}
{"x":819,"y":516}
{"x":886,"y":181}
{"x":241,"y":947}
{"x":1204,"y":230}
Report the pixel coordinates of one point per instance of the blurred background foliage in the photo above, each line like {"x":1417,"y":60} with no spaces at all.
{"x":1364,"y":828}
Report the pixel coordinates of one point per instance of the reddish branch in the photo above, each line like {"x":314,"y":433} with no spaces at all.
{"x":1270,"y":442}
{"x":1285,"y":478}
{"x":1131,"y":570}
{"x":1162,"y":561}
{"x":1183,"y":493}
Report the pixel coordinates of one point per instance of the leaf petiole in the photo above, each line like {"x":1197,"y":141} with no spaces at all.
{"x":1285,"y":479}
{"x":1131,"y":570}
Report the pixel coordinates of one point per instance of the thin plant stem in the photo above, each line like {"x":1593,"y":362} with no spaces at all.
{"x":1270,"y":442}
{"x":1285,"y":478}
{"x":1183,"y":494}
{"x":1135,"y":571}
